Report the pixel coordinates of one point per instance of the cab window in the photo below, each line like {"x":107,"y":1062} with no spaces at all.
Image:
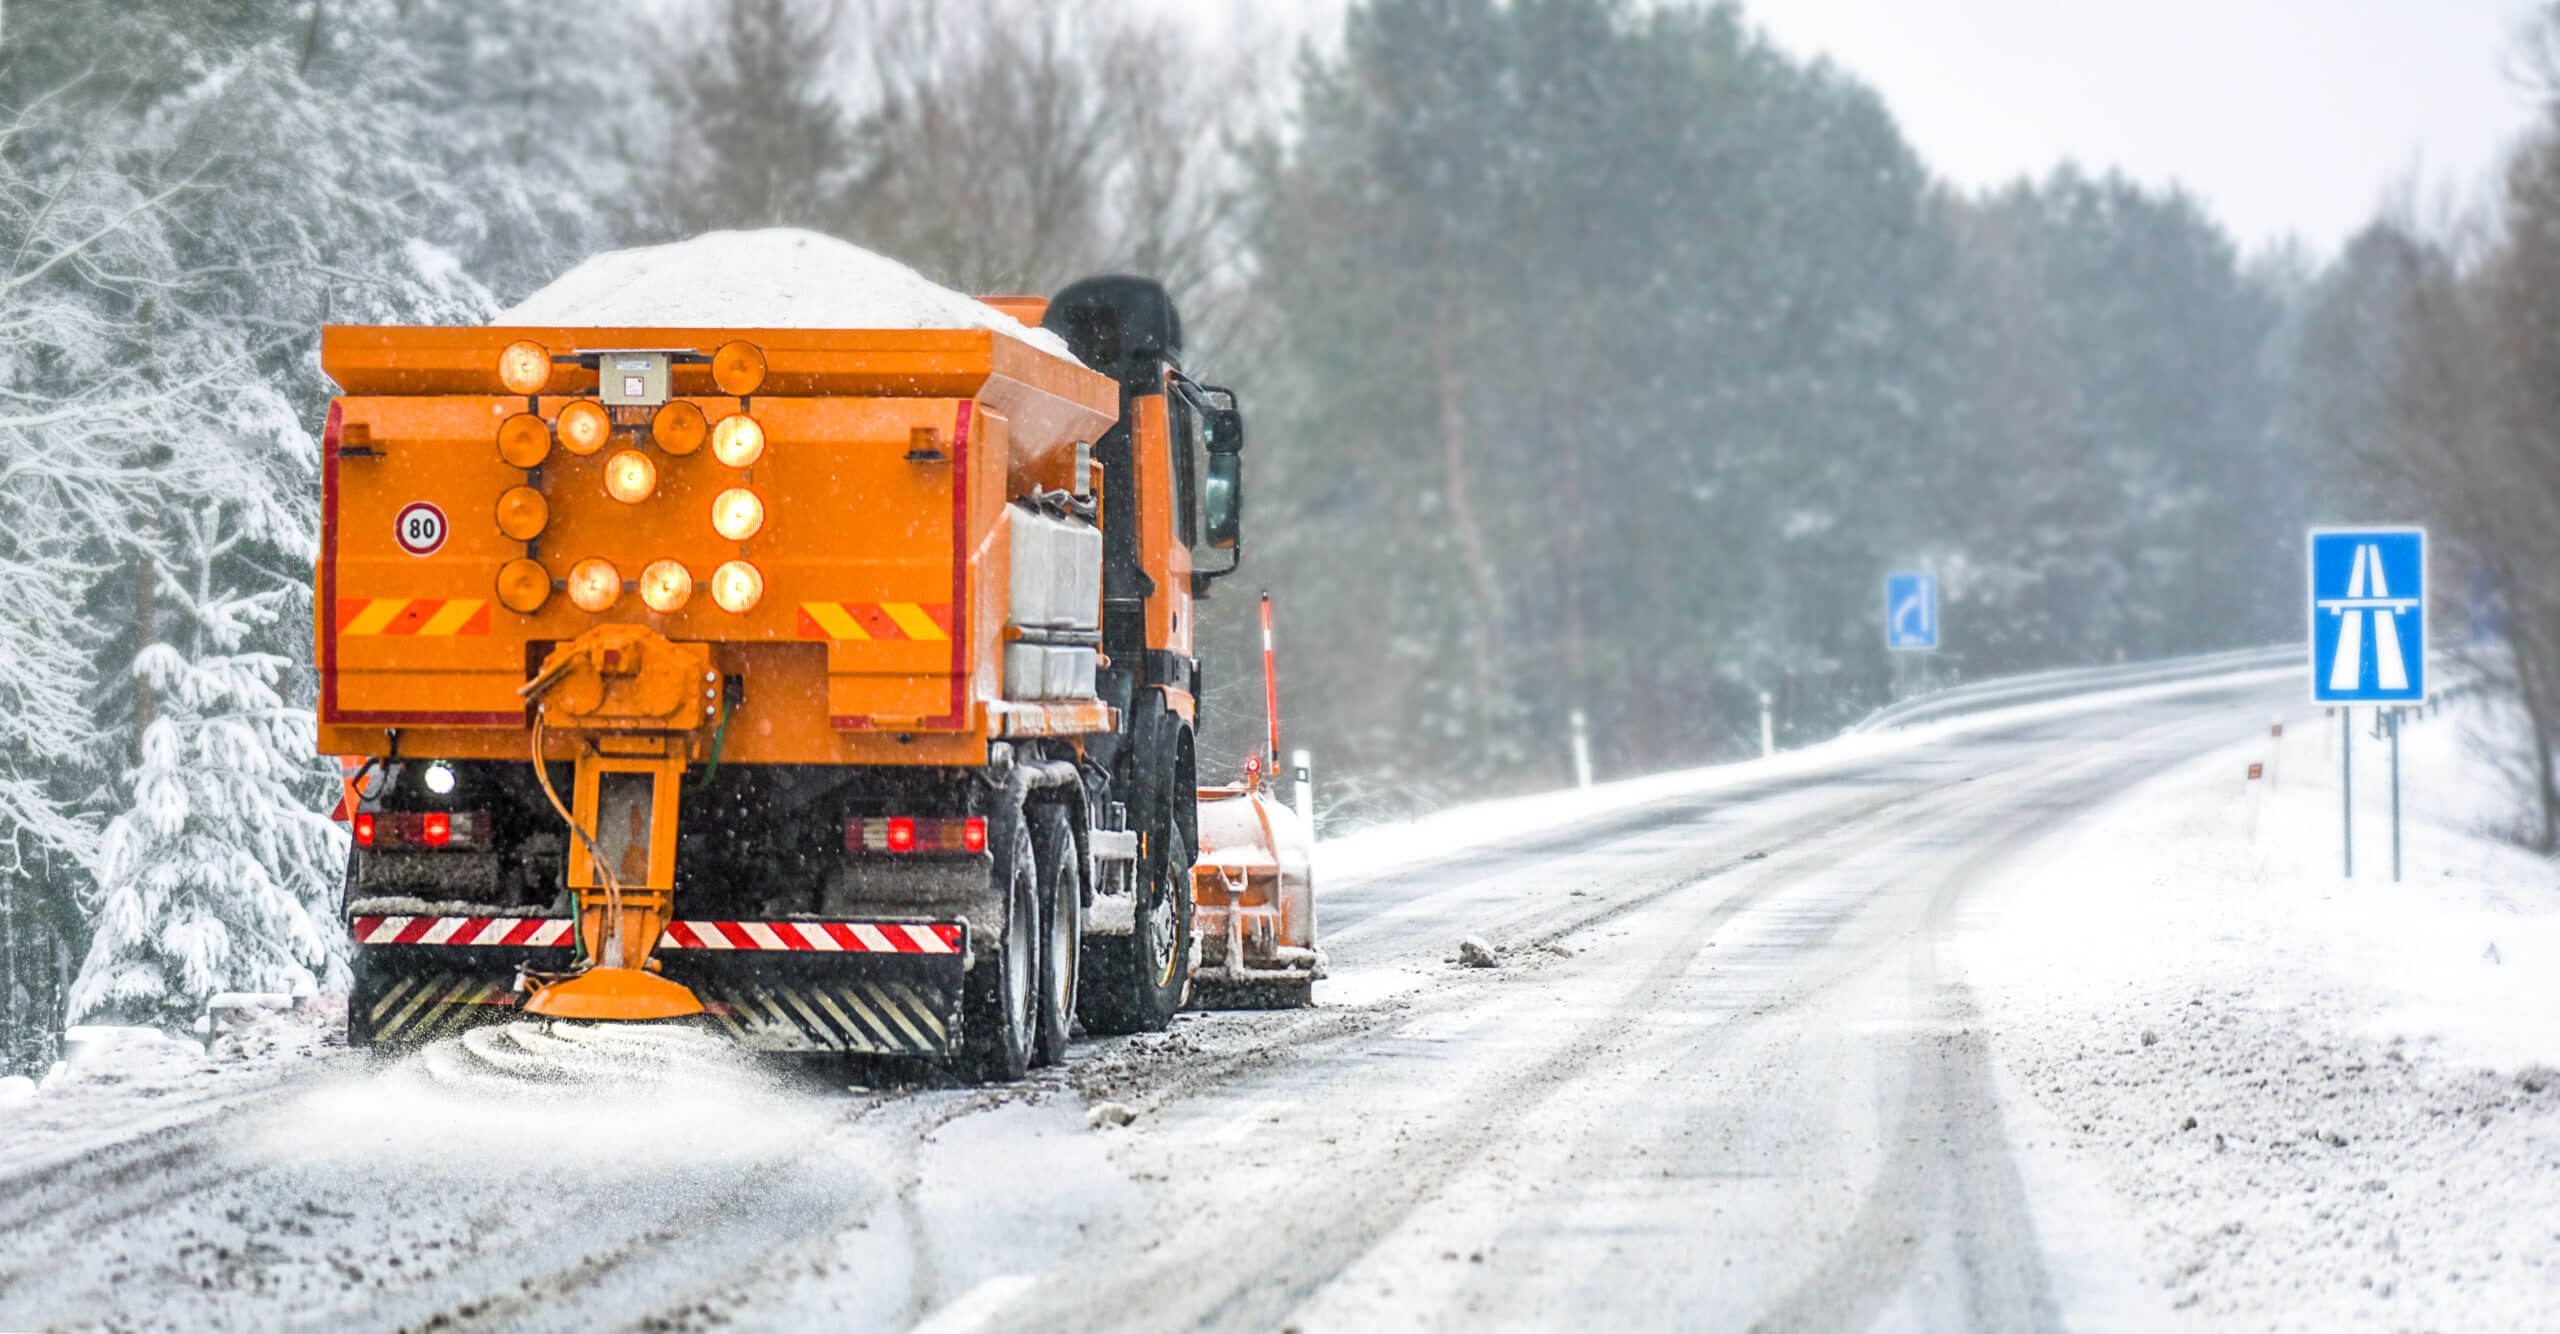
{"x":1187,"y":448}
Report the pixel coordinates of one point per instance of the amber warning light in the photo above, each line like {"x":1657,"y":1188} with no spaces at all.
{"x":737,"y":513}
{"x":737,"y":586}
{"x":630,"y":477}
{"x":666,"y":586}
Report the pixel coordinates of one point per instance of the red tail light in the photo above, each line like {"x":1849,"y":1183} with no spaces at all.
{"x":411,"y":831}
{"x":903,"y":834}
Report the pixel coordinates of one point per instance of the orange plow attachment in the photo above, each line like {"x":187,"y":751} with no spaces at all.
{"x":1253,"y":903}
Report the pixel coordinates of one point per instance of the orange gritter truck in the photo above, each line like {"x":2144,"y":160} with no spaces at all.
{"x":831,"y":688}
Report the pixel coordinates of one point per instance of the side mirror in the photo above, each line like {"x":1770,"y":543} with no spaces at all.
{"x":1222,"y":499}
{"x":1226,"y":431}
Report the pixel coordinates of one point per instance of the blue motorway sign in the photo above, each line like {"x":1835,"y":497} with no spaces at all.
{"x":1911,"y":611}
{"x":2368,"y":615}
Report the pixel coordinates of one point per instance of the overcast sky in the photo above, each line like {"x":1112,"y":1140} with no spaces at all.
{"x":2286,"y":117}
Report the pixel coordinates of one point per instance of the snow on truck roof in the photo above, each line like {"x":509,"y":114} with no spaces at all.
{"x":778,"y":278}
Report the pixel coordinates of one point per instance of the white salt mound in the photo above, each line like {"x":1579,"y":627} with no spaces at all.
{"x":778,"y":278}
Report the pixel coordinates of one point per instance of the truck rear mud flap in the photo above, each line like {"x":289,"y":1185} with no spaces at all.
{"x":873,"y":988}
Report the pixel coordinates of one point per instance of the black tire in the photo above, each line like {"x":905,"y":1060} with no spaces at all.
{"x":365,"y":987}
{"x":1137,"y":982}
{"x":999,"y":996}
{"x":1053,"y":846}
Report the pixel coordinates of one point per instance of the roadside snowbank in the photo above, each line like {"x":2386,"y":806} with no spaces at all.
{"x":778,"y":278}
{"x":1385,"y":848}
{"x":2328,"y":1102}
{"x":114,"y":1080}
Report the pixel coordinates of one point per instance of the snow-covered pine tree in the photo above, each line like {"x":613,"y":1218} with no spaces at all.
{"x":296,"y":149}
{"x":84,"y":249}
{"x":220,"y":875}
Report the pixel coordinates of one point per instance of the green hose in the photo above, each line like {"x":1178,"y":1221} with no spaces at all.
{"x":719,"y":741}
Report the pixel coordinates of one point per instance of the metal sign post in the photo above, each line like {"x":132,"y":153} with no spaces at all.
{"x":1910,"y":625}
{"x":2395,"y":796}
{"x":2368,"y":588}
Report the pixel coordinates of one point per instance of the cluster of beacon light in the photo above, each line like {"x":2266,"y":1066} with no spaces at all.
{"x":630,"y":476}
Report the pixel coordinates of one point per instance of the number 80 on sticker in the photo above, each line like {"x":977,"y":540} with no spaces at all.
{"x":420,"y":529}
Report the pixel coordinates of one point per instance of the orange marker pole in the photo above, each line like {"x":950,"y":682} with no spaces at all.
{"x":1270,"y":683}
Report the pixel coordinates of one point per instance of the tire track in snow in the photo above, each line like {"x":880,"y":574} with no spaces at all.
{"x":1334,"y":1219}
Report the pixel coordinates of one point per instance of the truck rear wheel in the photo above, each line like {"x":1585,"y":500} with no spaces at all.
{"x":1053,"y":843}
{"x":1137,"y":982}
{"x":999,"y":1000}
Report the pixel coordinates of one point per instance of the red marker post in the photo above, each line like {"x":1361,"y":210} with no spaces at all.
{"x":1270,"y":680}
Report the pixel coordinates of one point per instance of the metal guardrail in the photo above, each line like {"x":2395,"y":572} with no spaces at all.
{"x":2037,"y":686}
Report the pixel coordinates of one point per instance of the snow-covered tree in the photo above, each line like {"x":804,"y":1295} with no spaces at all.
{"x":221,"y":873}
{"x":79,"y":423}
{"x":292,"y":166}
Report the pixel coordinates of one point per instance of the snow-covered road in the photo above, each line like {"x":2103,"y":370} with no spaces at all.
{"x":1732,"y":1070}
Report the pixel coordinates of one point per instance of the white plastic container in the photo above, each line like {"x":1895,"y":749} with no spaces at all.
{"x":1056,"y":591}
{"x":1069,"y":673}
{"x":1048,"y":672}
{"x":1057,"y":572}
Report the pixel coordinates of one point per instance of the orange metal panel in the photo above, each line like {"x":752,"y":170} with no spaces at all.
{"x":438,"y":452}
{"x":1068,"y":401}
{"x":889,"y":459}
{"x":1161,"y":552}
{"x":1027,"y":309}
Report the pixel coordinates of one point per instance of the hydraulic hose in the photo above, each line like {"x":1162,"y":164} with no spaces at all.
{"x":595,"y":854}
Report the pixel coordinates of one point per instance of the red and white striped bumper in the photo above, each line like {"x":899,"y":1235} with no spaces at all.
{"x":855,"y":937}
{"x":889,"y":988}
{"x":541,"y":932}
{"x":533,"y":932}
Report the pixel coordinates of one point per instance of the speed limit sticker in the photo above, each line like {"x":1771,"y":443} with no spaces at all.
{"x":420,"y":529}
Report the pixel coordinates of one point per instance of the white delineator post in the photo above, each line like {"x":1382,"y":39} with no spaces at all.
{"x":2253,"y":789}
{"x":1302,"y":787}
{"x":1768,"y":730}
{"x":1581,"y":750}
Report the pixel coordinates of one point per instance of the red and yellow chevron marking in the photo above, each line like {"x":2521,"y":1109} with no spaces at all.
{"x":857,"y":621}
{"x":421,"y":617}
